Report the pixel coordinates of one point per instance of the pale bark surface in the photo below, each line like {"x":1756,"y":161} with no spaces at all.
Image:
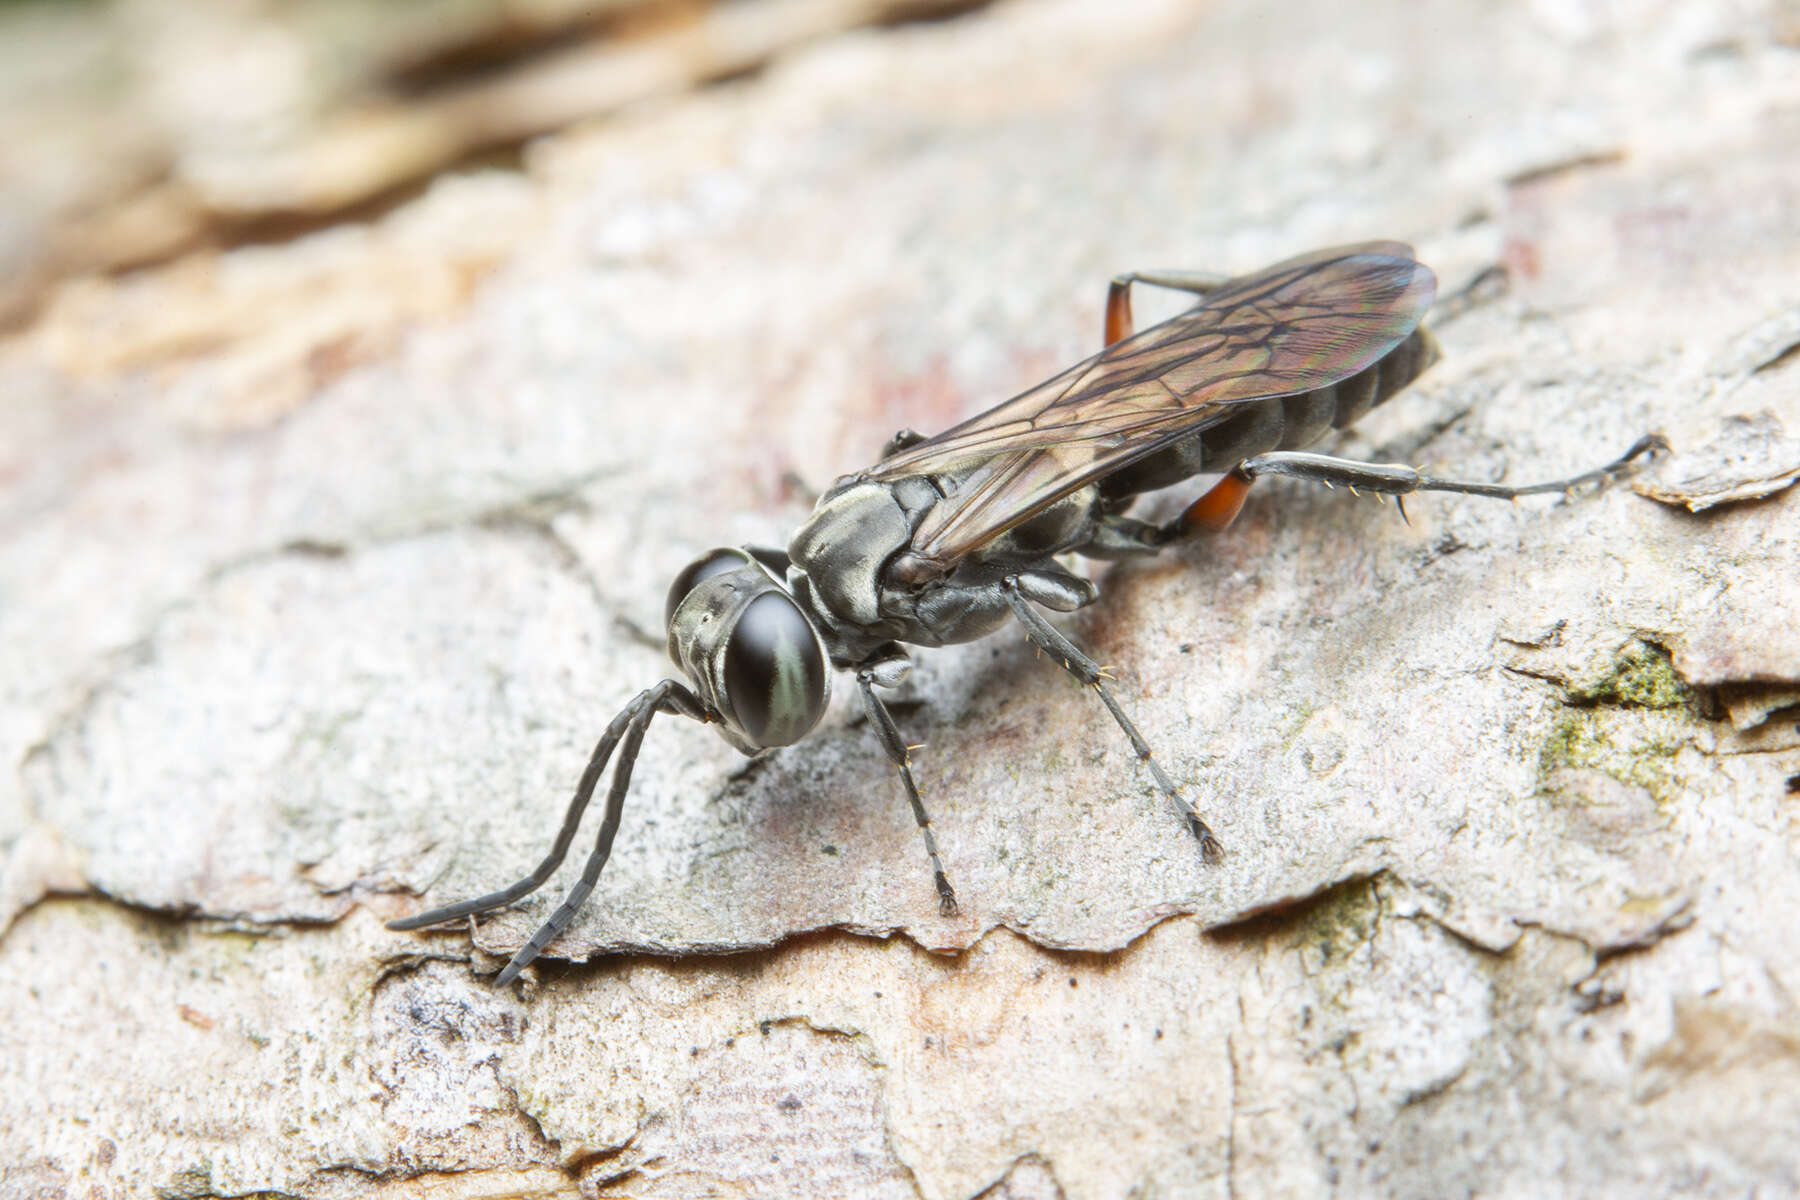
{"x":324,"y":559}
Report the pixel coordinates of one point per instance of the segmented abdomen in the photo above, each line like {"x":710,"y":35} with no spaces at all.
{"x":1278,"y":423}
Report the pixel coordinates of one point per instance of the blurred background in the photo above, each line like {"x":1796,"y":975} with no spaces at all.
{"x":138,"y":130}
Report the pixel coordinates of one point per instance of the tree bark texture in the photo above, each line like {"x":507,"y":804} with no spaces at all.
{"x":325,"y":556}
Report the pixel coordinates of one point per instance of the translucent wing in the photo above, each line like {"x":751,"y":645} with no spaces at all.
{"x":1306,"y":323}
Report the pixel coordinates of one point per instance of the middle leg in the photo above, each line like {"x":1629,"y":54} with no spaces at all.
{"x":1047,"y":638}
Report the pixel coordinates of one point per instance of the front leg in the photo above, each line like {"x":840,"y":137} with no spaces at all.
{"x":887,"y":669}
{"x":1046,"y":637}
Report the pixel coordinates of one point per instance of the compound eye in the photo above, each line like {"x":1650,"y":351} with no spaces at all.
{"x":713,"y":562}
{"x":775,"y":674}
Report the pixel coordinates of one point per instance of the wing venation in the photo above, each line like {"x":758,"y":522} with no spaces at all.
{"x":1306,"y":323}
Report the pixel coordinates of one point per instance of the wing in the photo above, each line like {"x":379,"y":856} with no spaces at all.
{"x":1306,"y":323}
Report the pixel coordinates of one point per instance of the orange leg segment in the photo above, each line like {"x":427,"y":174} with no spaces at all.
{"x":1217,"y":508}
{"x":1118,"y":295}
{"x":1118,"y":310}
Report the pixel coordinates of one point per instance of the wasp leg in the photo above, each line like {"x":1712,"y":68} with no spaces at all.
{"x":1214,"y":511}
{"x":1486,"y":284}
{"x":1047,"y":638}
{"x":1116,"y":536}
{"x":625,"y":734}
{"x":1218,"y":507}
{"x":905,"y":439}
{"x":1118,"y":294}
{"x":1397,"y":479}
{"x":888,"y":672}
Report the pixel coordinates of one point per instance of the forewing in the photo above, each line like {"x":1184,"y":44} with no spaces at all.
{"x":1306,"y":323}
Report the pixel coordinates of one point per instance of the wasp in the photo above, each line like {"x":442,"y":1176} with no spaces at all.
{"x":947,"y":538}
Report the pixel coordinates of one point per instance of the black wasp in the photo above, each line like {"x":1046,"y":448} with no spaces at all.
{"x":947,"y":537}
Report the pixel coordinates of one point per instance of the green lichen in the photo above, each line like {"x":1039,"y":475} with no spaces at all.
{"x":1572,"y":743}
{"x":1340,"y":923}
{"x":1637,"y":752}
{"x":1642,"y":677}
{"x":1332,"y":937}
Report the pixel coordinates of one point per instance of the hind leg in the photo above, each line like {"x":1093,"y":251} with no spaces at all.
{"x":1118,"y":294}
{"x":1218,"y":507}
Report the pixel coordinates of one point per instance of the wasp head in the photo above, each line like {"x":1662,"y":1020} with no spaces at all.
{"x":748,"y":648}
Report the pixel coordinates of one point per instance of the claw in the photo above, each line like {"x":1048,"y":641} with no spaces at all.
{"x":1211,"y":852}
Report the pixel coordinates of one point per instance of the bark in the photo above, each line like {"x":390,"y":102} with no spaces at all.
{"x":327,"y":556}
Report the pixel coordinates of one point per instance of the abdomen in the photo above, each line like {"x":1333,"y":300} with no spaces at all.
{"x":1278,"y":423}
